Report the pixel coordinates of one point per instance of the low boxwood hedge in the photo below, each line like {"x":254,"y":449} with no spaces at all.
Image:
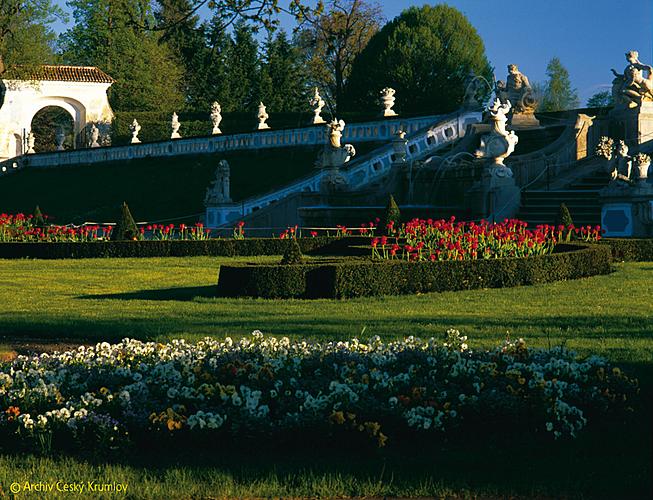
{"x":353,"y":278}
{"x":166,"y":248}
{"x":630,"y":249}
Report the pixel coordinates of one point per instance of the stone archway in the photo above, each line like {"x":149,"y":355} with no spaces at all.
{"x":54,"y":129}
{"x":81,"y":91}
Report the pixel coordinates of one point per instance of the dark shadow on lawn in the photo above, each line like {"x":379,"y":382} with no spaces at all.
{"x":183,"y":294}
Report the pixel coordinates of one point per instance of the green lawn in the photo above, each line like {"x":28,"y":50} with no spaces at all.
{"x":161,"y":299}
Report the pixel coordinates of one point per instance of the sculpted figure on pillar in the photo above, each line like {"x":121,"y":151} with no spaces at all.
{"x":632,"y":87}
{"x":517,"y":89}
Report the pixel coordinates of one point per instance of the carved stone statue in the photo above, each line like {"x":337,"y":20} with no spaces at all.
{"x":517,"y":89}
{"x":135,"y":128}
{"x":318,"y":103}
{"x":262,"y":118}
{"x":642,"y":164}
{"x":31,"y":140}
{"x":60,"y":138}
{"x":499,"y":143}
{"x":174,"y":123}
{"x":218,"y":192}
{"x":632,"y":88}
{"x":95,"y":135}
{"x":619,"y":163}
{"x":473,"y":85}
{"x":216,"y":117}
{"x":388,"y":101}
{"x":333,"y":156}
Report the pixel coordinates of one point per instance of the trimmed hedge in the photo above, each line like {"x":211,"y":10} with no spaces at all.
{"x":352,"y":278}
{"x":168,"y":248}
{"x":630,"y":249}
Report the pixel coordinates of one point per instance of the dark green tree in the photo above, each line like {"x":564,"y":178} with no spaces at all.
{"x":392,"y":215}
{"x":425,"y":54}
{"x":558,"y":93}
{"x":601,"y":100}
{"x":107,"y":34}
{"x":186,"y":39}
{"x":126,"y":228}
{"x":242,"y":75}
{"x":293,"y":253}
{"x":564,"y":216}
{"x":282,"y":82}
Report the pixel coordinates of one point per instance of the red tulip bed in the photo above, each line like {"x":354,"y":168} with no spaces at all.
{"x":23,"y":228}
{"x":438,"y":240}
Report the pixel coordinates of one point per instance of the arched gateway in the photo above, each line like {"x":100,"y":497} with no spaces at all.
{"x":81,"y":91}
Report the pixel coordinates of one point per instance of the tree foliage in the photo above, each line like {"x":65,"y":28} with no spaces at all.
{"x":558,"y":93}
{"x":601,"y":100}
{"x":424,"y":54}
{"x":331,"y":41}
{"x":148,"y":77}
{"x":26,"y":35}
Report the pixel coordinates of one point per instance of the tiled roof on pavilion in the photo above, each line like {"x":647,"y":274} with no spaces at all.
{"x":84,"y":74}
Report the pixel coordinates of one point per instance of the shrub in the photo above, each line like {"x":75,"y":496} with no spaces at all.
{"x":353,"y":278}
{"x":165,"y":248}
{"x":630,"y":249}
{"x":126,"y":229}
{"x":564,"y":217}
{"x":392,"y":216}
{"x":293,"y":254}
{"x":38,"y":219}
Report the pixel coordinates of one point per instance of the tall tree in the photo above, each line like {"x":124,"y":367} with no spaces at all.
{"x":332,"y":40}
{"x":558,"y":94}
{"x":283,"y":78}
{"x":147,"y":75}
{"x":425,"y":54}
{"x":601,"y":100}
{"x":26,"y":35}
{"x":242,"y":75}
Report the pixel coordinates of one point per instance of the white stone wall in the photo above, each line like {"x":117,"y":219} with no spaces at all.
{"x":85,"y":102}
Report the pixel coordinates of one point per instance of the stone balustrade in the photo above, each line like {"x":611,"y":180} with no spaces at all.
{"x":380,"y":130}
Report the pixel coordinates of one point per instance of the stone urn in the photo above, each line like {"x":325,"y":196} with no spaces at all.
{"x":642,"y":163}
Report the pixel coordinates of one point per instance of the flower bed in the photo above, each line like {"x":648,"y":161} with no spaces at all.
{"x":437,"y":240}
{"x":353,"y":278}
{"x":113,"y":396}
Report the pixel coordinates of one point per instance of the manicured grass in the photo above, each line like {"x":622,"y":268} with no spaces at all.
{"x":160,"y":299}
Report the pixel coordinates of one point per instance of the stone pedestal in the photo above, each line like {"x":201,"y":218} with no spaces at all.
{"x":627,"y":210}
{"x":221,"y":214}
{"x":635,"y":125}
{"x":496,"y":196}
{"x":520,"y":121}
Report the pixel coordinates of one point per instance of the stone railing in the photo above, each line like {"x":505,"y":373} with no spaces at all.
{"x":438,"y":133}
{"x":380,"y":130}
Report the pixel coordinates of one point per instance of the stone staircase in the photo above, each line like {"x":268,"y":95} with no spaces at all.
{"x":581,"y":197}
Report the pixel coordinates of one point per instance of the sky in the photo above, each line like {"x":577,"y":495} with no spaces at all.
{"x":588,"y":36}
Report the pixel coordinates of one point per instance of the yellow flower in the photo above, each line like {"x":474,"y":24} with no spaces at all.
{"x":521,"y":380}
{"x":382,"y":439}
{"x":337,"y":417}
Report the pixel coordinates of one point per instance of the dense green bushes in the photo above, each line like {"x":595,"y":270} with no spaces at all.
{"x":352,"y":278}
{"x":166,"y":248}
{"x":630,"y":249}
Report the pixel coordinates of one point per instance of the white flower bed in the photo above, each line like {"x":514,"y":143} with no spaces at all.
{"x":113,"y":395}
